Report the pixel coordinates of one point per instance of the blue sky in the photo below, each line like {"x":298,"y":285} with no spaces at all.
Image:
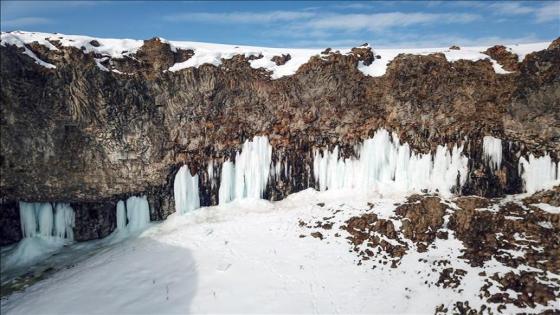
{"x":295,"y":24}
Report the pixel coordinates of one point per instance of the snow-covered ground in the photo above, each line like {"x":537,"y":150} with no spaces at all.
{"x":207,"y":53}
{"x":248,"y":256}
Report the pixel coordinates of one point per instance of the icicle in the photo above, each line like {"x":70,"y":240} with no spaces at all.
{"x":186,"y":191}
{"x":28,"y":219}
{"x":121,"y":215}
{"x":384,"y":163}
{"x":64,"y":221}
{"x":492,"y":149}
{"x":38,"y":219}
{"x":211,"y":177}
{"x":46,"y":219}
{"x":538,"y":173}
{"x":226,"y":191}
{"x":137,"y":212}
{"x":251,"y":171}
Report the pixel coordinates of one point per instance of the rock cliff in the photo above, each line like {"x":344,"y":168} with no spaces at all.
{"x":96,"y":128}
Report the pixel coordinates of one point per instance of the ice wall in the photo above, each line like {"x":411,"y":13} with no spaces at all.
{"x":383,"y":164}
{"x":492,"y":151}
{"x":185,"y":188}
{"x":248,"y":176}
{"x":538,"y":172}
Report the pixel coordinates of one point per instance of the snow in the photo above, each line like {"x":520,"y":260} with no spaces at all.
{"x":206,"y":53}
{"x":492,"y":149}
{"x":547,"y":208}
{"x":386,"y":165}
{"x":247,"y":257}
{"x":185,"y":188}
{"x":538,"y":172}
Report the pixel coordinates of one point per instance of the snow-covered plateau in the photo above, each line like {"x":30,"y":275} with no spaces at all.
{"x":207,"y":53}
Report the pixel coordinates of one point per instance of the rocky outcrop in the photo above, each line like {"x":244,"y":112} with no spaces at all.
{"x":508,"y":60}
{"x":80,"y":134}
{"x":512,"y":244}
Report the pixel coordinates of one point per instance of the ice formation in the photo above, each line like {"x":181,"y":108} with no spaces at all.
{"x":121,"y":215}
{"x":386,"y":165}
{"x":492,"y":150}
{"x":185,"y":188}
{"x":64,"y":221}
{"x":249,"y":176}
{"x":538,"y":172}
{"x":38,"y":219}
{"x":225,"y":193}
{"x":137,"y":213}
{"x":44,"y":231}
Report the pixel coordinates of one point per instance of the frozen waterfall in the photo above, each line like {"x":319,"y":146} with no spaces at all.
{"x":538,"y":172}
{"x":386,"y":165}
{"x":45,"y":230}
{"x":248,"y":176}
{"x":185,"y":188}
{"x":137,"y":213}
{"x":39,"y":219}
{"x":492,"y":150}
{"x":225,"y":193}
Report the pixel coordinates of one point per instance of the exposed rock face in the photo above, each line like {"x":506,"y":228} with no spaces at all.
{"x":10,"y":229}
{"x":281,"y":60}
{"x":83,"y":135}
{"x":507,"y":59}
{"x":94,"y":220}
{"x":422,"y":218}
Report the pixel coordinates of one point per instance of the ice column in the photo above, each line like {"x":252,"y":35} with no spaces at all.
{"x":121,"y":215}
{"x":492,"y":150}
{"x":64,"y":220}
{"x":538,"y":172}
{"x":226,"y":191}
{"x":185,"y":189}
{"x":385,"y":164}
{"x":137,"y":213}
{"x":38,"y":219}
{"x":249,"y":176}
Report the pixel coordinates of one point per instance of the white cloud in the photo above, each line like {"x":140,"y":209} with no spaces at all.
{"x":445,"y":40}
{"x":548,"y":12}
{"x":25,"y":21}
{"x":379,"y":21}
{"x":510,"y":8}
{"x":241,"y":17}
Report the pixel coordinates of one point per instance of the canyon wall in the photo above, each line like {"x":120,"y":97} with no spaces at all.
{"x":93,"y":130}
